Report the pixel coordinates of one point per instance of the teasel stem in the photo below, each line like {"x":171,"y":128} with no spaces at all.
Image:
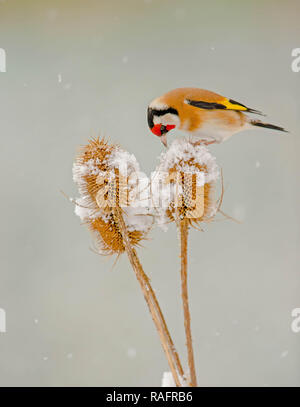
{"x":184,"y":227}
{"x":161,"y":317}
{"x":151,"y":300}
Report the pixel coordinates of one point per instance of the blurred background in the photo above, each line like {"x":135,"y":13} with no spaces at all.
{"x":76,"y":69}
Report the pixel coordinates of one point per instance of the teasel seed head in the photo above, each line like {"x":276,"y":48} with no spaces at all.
{"x":183,"y":186}
{"x":103,"y":173}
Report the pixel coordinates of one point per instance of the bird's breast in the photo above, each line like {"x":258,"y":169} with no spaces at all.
{"x":212,"y":125}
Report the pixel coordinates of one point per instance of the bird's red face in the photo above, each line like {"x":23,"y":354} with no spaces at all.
{"x":165,"y":115}
{"x":160,"y":129}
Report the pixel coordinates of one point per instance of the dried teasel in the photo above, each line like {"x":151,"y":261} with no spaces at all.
{"x":183,"y":191}
{"x":106,"y":178}
{"x":114,"y":204}
{"x":183,"y":186}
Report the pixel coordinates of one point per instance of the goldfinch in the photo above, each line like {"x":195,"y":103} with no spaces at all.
{"x":211,"y":117}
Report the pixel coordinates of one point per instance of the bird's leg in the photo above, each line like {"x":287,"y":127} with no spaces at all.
{"x":203,"y":141}
{"x":207,"y":143}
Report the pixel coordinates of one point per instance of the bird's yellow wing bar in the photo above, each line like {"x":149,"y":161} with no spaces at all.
{"x":233,"y":105}
{"x":223,"y":104}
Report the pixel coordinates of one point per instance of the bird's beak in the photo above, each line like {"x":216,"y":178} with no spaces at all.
{"x":163,"y":139}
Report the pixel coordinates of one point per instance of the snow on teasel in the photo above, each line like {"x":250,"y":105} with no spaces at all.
{"x":108,"y":176}
{"x":183,"y":186}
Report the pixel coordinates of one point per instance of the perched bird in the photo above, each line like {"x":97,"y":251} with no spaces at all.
{"x":210,"y":117}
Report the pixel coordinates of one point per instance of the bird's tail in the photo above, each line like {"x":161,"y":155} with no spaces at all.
{"x":258,"y":123}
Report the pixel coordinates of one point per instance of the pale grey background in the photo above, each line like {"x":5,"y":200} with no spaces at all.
{"x":70,"y":319}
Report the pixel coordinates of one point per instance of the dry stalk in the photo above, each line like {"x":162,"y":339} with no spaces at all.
{"x":151,"y":300}
{"x":184,"y":226}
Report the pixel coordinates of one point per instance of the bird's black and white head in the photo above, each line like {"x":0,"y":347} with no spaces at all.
{"x":161,"y":119}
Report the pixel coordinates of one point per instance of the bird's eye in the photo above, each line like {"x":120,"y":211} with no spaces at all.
{"x":163,"y":129}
